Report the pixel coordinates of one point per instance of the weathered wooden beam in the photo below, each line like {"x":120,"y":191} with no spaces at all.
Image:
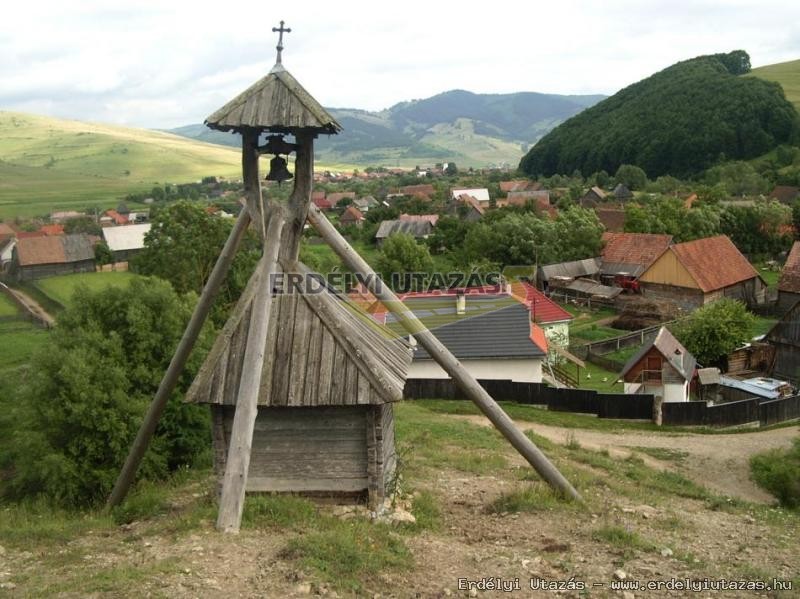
{"x":250,"y":178}
{"x":234,"y":483}
{"x":201,"y":310}
{"x":300,"y":199}
{"x":442,"y":356}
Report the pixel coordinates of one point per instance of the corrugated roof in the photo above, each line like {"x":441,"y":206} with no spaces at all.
{"x":130,"y":237}
{"x":634,"y":248}
{"x":620,"y":268}
{"x":480,"y":194}
{"x":503,"y":333}
{"x":276,"y":102}
{"x":714,"y":262}
{"x":672,"y":350}
{"x":754,"y":386}
{"x":571,"y":270}
{"x":415,"y":228}
{"x":790,"y":276}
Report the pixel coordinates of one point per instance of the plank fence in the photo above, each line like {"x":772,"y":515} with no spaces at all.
{"x":617,"y":405}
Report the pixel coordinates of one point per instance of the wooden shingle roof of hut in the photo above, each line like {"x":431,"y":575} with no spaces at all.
{"x":276,"y":102}
{"x":333,"y":354}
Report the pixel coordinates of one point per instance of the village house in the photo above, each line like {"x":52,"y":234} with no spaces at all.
{"x":789,"y":283}
{"x":552,"y":318}
{"x":424,"y":191}
{"x":125,"y":242}
{"x":335,"y":198}
{"x":613,"y":219}
{"x":38,"y":257}
{"x":622,"y":193}
{"x":518,"y":185}
{"x":628,"y":255}
{"x":491,"y":335}
{"x":351,"y":217}
{"x":322,"y":204}
{"x":52,"y":230}
{"x":701,"y":271}
{"x":480,"y":194}
{"x":663,"y":368}
{"x":592,"y":198}
{"x":364,"y":204}
{"x":412,"y":218}
{"x":113,"y":218}
{"x":466,"y":208}
{"x":540,"y":199}
{"x":417,"y":229}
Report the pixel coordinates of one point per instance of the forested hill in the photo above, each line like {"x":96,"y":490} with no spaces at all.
{"x":678,"y":121}
{"x":470,"y":129}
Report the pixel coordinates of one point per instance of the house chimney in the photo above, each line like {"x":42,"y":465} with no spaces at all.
{"x":461,"y":302}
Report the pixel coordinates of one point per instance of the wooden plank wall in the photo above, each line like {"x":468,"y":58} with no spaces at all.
{"x":307,"y":450}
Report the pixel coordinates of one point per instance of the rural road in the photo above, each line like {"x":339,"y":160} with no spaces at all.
{"x":718,"y":462}
{"x":30,"y":305}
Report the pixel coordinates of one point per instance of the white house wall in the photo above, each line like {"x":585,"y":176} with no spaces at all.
{"x":676,"y":392}
{"x":521,"y":370}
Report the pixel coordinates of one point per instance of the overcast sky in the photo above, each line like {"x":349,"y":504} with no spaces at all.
{"x":168,"y":63}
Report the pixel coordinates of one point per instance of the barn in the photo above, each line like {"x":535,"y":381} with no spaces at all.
{"x":39,"y":257}
{"x":789,"y":283}
{"x":785,"y":338}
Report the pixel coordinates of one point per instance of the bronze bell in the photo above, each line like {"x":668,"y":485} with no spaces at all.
{"x":278,"y":171}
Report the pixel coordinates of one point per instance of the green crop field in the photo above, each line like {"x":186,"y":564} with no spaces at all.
{"x":785,"y":73}
{"x":7,"y":307}
{"x":62,"y":288}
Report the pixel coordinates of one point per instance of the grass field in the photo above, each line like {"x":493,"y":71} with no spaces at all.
{"x":7,"y":307}
{"x":785,"y":73}
{"x":62,"y":288}
{"x":20,"y":339}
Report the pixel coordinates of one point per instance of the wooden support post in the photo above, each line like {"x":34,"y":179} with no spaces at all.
{"x":201,"y":310}
{"x":300,"y":197}
{"x":234,"y":483}
{"x":250,"y":178}
{"x":442,"y":356}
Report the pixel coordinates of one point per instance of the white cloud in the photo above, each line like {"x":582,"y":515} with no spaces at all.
{"x":162,"y":64}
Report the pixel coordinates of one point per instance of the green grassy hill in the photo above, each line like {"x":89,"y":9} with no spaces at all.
{"x":785,"y":73}
{"x":48,"y":164}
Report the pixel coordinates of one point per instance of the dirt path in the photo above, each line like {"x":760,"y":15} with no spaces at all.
{"x":30,"y":305}
{"x":719,"y":462}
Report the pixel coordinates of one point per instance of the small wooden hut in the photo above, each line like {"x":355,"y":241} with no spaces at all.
{"x":325,"y":422}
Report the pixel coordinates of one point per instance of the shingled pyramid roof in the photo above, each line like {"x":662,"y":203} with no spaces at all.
{"x":276,"y":102}
{"x":321,"y":350}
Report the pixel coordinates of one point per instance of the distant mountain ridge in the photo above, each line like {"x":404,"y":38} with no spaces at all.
{"x":470,"y":129}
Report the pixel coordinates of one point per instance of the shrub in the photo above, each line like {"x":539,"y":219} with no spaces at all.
{"x":778,"y":471}
{"x":89,"y":390}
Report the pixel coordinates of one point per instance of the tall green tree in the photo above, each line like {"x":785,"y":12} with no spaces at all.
{"x":715,"y":330}
{"x":400,"y":254}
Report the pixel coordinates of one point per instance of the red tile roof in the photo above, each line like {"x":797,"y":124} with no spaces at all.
{"x":714,"y":262}
{"x":30,"y":234}
{"x":543,"y":309}
{"x":612,"y":219}
{"x":322,"y":203}
{"x":351,"y":215}
{"x":634,"y":248}
{"x":538,"y":337}
{"x":335,"y":198}
{"x":119,"y":219}
{"x":790,"y":277}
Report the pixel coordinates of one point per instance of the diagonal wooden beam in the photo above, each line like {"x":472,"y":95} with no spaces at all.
{"x":234,"y":483}
{"x":201,"y":310}
{"x":442,"y":355}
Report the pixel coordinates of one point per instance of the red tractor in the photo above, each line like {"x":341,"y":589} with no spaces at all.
{"x":628,"y":283}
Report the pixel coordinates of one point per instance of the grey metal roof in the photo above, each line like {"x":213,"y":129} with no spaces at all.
{"x":672,"y":350}
{"x":765,"y":388}
{"x":593,"y":288}
{"x":502,"y":333}
{"x":77,"y":247}
{"x":571,"y":270}
{"x":415,"y":228}
{"x":622,"y":268}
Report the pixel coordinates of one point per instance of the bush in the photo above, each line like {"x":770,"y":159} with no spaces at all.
{"x":778,"y":471}
{"x":89,"y":390}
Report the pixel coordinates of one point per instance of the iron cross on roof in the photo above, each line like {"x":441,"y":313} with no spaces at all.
{"x":280,"y":31}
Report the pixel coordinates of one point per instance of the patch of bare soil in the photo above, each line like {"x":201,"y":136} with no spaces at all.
{"x":719,"y":462}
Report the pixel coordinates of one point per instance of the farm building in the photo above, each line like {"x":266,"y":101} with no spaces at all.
{"x":789,"y":283}
{"x":592,"y":198}
{"x":613,"y":219}
{"x":701,"y":271}
{"x":364,"y":204}
{"x":491,"y":335}
{"x":662,"y":367}
{"x":466,"y":208}
{"x":622,"y":193}
{"x":6,"y":252}
{"x":563,"y":273}
{"x":417,"y":229}
{"x":785,"y":338}
{"x":39,"y":257}
{"x":125,"y":242}
{"x":785,"y":194}
{"x":416,"y":218}
{"x":481,"y":194}
{"x":631,"y":254}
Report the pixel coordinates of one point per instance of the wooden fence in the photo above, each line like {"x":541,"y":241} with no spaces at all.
{"x":617,"y":405}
